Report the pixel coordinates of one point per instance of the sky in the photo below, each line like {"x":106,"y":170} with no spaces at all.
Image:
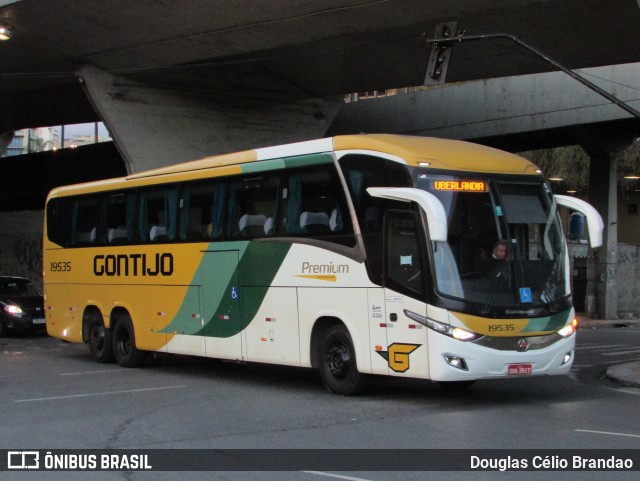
{"x":83,"y":129}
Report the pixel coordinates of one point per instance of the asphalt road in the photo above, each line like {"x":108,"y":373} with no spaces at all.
{"x":53,"y":396}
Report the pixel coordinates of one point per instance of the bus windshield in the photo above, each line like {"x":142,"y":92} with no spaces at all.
{"x":505,"y":251}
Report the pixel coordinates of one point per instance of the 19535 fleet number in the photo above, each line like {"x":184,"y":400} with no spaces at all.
{"x":61,"y":266}
{"x":502,"y":327}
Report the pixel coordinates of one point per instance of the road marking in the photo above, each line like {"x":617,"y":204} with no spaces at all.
{"x":620,"y":353}
{"x":53,"y":398}
{"x":601,"y":347}
{"x":79,"y":373}
{"x":336,"y":476}
{"x":607,"y":433}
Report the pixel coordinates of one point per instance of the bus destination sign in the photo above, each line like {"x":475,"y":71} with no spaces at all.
{"x":460,"y":185}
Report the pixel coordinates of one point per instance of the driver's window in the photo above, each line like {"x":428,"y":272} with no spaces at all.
{"x":403,"y":255}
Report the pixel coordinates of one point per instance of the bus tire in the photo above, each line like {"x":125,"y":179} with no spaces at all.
{"x":337,"y":365}
{"x":100,"y":341}
{"x":124,"y":345}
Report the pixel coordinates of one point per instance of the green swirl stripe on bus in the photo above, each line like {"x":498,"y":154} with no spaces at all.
{"x":229,"y":291}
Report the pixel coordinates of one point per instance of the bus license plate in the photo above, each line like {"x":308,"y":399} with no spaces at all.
{"x":519,"y":369}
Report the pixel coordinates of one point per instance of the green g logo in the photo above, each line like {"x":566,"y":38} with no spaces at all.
{"x":398,"y":356}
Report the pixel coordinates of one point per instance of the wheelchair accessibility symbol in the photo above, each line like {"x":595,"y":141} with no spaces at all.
{"x":234,"y":293}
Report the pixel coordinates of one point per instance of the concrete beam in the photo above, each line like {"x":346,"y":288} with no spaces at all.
{"x":497,"y":107}
{"x":154,"y":127}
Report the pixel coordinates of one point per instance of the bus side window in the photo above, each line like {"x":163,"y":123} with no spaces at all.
{"x":85,"y":221}
{"x":119,"y":218}
{"x":316,"y":204}
{"x":199,"y":205}
{"x":158,"y":215}
{"x":254,"y":205}
{"x":59,"y":221}
{"x":361,"y":172}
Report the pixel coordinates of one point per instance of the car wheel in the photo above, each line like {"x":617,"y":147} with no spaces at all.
{"x":100,"y":342}
{"x":124,"y":345}
{"x":337,"y":367}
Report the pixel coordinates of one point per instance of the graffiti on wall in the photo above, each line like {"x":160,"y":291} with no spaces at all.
{"x":21,"y":255}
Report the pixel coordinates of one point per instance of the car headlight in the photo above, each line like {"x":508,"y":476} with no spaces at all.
{"x":12,"y":310}
{"x":446,"y":329}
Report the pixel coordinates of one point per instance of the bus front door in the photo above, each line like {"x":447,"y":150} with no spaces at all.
{"x":406,"y":349}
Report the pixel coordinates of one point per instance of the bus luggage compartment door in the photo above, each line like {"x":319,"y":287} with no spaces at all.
{"x":221,"y":305}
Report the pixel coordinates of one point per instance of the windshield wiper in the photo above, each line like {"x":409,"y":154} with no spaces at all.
{"x":502,"y":275}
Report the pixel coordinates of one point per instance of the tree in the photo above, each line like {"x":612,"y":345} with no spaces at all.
{"x":571,"y":163}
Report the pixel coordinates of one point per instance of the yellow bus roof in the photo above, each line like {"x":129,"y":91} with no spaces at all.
{"x":434,"y":153}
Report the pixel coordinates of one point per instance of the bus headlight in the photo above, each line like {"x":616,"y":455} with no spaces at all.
{"x":567,"y":330}
{"x":446,"y":329}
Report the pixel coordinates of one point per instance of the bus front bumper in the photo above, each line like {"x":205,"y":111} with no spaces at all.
{"x":453,"y":360}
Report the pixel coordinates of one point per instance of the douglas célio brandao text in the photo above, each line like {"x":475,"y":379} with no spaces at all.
{"x":551,"y":463}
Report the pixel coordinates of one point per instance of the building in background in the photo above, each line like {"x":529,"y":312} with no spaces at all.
{"x":41,"y":139}
{"x":28,"y":141}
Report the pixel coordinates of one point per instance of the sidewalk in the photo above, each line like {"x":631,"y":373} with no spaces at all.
{"x":626,"y":374}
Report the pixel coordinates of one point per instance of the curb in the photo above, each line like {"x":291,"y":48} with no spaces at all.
{"x":627,"y":374}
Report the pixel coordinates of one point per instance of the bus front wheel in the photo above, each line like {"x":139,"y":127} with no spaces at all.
{"x":337,"y":366}
{"x":124,"y":345}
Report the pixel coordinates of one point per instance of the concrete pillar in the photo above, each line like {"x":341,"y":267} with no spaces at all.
{"x":605,"y":147}
{"x":154,"y":127}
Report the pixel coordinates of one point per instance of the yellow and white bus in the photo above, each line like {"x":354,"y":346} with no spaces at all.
{"x":353,"y":255}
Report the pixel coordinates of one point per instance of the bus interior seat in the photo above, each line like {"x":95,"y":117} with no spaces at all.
{"x":314,"y":222}
{"x":117,"y":235}
{"x":252,"y":224}
{"x":269,"y":226}
{"x":333,"y":220}
{"x":88,"y":237}
{"x":158,"y":233}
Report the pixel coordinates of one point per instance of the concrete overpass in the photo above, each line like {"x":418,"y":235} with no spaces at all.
{"x":179,"y":79}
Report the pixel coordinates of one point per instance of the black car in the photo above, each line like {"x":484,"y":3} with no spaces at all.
{"x":21,"y":306}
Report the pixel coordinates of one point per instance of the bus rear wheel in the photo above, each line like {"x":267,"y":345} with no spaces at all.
{"x":337,"y":366}
{"x":100,"y":341}
{"x":124,"y":345}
